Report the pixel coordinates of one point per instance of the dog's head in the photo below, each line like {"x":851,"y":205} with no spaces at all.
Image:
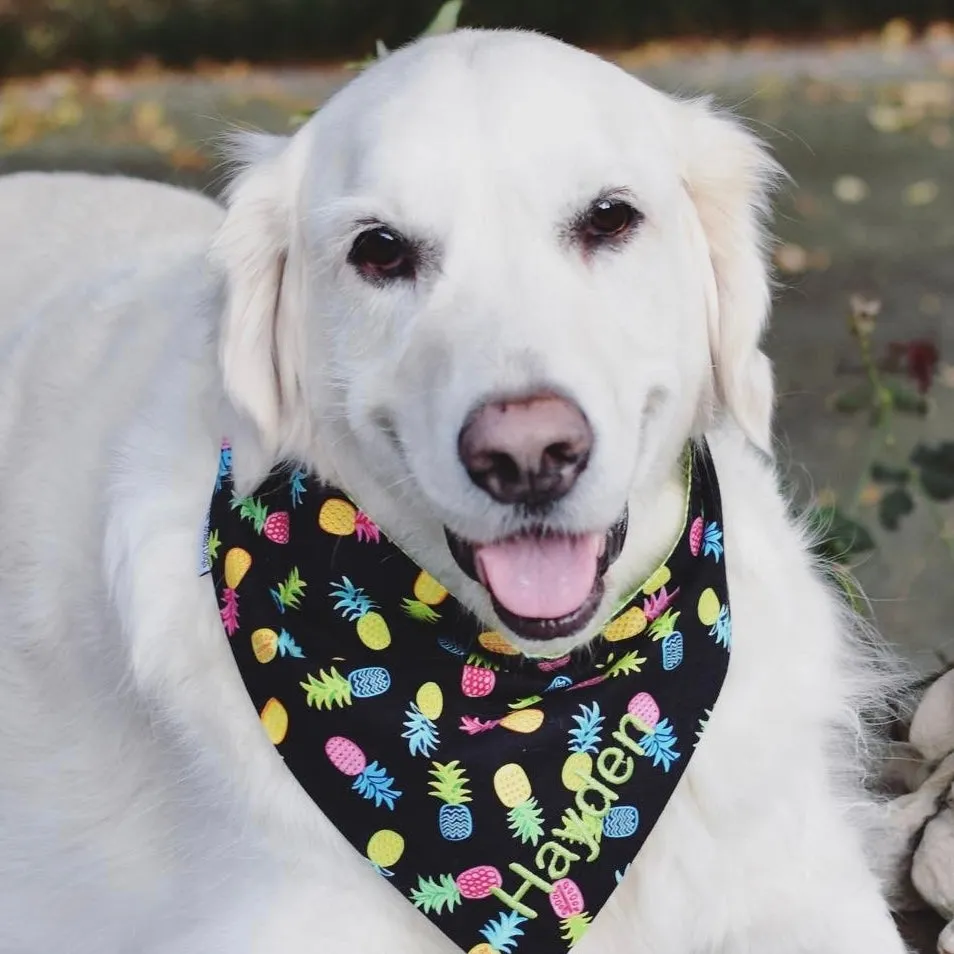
{"x":491,"y":289}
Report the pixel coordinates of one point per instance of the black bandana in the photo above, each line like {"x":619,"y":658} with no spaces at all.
{"x":503,"y":796}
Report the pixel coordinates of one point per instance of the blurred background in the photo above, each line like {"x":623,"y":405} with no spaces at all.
{"x":856,"y":98}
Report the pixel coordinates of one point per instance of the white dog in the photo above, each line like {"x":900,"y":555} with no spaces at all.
{"x":477,"y":215}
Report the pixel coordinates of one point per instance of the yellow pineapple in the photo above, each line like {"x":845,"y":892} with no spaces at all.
{"x":373,"y":631}
{"x":430,"y":700}
{"x":355,"y":605}
{"x":709,"y":607}
{"x":657,"y":581}
{"x":385,"y":848}
{"x":237,"y":563}
{"x":523,"y":720}
{"x":628,"y":624}
{"x":265,"y":645}
{"x":274,"y":718}
{"x":337,"y":517}
{"x":427,"y":590}
{"x":513,"y":789}
{"x":482,"y":948}
{"x":493,"y":642}
{"x":512,"y":785}
{"x":585,"y":741}
{"x":576,"y":769}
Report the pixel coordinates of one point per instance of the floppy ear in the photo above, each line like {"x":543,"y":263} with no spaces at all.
{"x":259,"y":338}
{"x":730,"y":176}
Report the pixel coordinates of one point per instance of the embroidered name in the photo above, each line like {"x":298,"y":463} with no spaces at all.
{"x":581,"y":822}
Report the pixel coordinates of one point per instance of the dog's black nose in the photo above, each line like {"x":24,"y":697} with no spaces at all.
{"x":529,"y":451}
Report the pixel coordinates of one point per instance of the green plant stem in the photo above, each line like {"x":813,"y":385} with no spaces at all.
{"x":882,"y":409}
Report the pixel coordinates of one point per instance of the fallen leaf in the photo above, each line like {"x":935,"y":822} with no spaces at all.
{"x":147,"y":117}
{"x":791,"y":259}
{"x":819,"y":260}
{"x":940,"y":136}
{"x":896,"y":34}
{"x":818,"y":92}
{"x":806,"y":204}
{"x":928,"y":94}
{"x":187,"y":158}
{"x":870,"y":495}
{"x":164,"y":139}
{"x":923,"y":192}
{"x":945,"y":375}
{"x":850,"y":189}
{"x":886,"y":118}
{"x":66,"y":112}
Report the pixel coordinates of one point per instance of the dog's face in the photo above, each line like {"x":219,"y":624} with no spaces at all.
{"x":482,"y":290}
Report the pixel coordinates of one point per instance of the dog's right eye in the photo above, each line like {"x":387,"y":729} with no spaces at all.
{"x":380,"y":254}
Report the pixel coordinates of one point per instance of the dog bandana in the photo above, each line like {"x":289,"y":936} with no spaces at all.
{"x":503,"y":796}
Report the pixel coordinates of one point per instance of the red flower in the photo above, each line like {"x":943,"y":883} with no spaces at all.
{"x":920,"y":358}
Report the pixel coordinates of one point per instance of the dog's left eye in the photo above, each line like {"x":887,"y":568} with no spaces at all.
{"x":608,"y":219}
{"x":381,"y":254}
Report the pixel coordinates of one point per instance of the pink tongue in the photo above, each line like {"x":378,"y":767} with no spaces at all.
{"x":540,"y":578}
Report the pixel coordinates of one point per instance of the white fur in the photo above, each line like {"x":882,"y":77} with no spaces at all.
{"x":141,"y":807}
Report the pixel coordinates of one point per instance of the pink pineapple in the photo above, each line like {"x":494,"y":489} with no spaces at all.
{"x":477,"y":883}
{"x":695,"y":536}
{"x":371,"y":781}
{"x":567,"y":902}
{"x":476,"y":681}
{"x":277,"y":527}
{"x":645,"y":708}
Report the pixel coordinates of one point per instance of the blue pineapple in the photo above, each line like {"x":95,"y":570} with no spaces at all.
{"x":450,"y":785}
{"x":329,"y":689}
{"x":621,"y":821}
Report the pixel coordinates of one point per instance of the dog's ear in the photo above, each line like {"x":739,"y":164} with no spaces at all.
{"x":259,"y":341}
{"x":730,"y":176}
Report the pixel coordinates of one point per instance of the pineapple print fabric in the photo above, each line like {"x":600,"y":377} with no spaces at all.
{"x":503,"y":796}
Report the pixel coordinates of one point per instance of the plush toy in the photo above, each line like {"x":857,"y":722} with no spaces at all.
{"x":922,"y":851}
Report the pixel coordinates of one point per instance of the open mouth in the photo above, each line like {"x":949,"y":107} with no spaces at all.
{"x":543,"y":585}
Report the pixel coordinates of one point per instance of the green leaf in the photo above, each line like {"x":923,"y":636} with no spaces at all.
{"x":445,"y":20}
{"x":854,"y":399}
{"x":886,"y":474}
{"x":906,"y":401}
{"x":939,"y":457}
{"x":937,"y":469}
{"x":839,"y":535}
{"x":937,"y":484}
{"x":894,"y":505}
